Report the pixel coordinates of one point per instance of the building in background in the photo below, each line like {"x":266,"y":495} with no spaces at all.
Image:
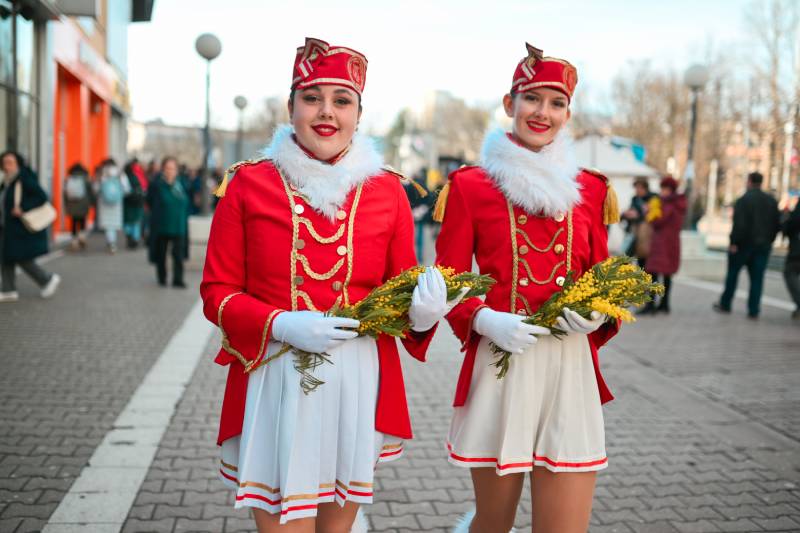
{"x":63,"y":83}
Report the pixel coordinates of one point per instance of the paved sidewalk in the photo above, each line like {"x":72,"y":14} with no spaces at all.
{"x":69,"y":366}
{"x":704,"y":434}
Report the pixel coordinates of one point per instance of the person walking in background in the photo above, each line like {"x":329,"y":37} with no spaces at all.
{"x":664,"y":258}
{"x":645,"y":207}
{"x":133,"y":203}
{"x":78,"y":198}
{"x":791,"y":270}
{"x":18,"y":246}
{"x":169,"y":216}
{"x":111,"y":190}
{"x":756,"y":221}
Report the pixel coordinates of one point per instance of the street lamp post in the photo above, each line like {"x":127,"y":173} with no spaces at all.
{"x":209,"y":47}
{"x":695,"y":78}
{"x":240,"y":102}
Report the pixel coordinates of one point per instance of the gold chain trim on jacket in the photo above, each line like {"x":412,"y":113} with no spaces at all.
{"x":569,"y":241}
{"x":526,"y":304}
{"x":534,"y":247}
{"x":316,"y":275}
{"x":514,"y":256}
{"x":350,"y":226}
{"x":536,"y":281}
{"x":226,"y":345}
{"x":295,"y":232}
{"x":259,"y":361}
{"x":319,"y":238}
{"x":303,"y":295}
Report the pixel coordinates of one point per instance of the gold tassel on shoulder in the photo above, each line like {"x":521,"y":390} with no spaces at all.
{"x":223,"y":186}
{"x":441,"y":203}
{"x":610,"y":205}
{"x":420,"y":189}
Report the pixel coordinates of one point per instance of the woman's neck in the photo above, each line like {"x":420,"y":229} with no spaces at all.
{"x":332,"y":161}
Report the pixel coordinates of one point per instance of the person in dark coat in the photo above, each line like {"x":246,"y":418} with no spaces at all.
{"x":665,"y":249}
{"x":636,"y":217}
{"x":78,"y":198}
{"x":18,"y":246}
{"x":756,"y":221}
{"x":169,"y":220}
{"x":133,"y":203}
{"x":791,"y":270}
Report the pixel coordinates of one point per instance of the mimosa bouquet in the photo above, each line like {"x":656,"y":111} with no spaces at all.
{"x":609,"y":287}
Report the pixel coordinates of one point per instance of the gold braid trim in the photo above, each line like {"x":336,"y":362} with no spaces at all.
{"x":303,"y":295}
{"x":526,"y":304}
{"x":295,"y":232}
{"x":441,"y":203}
{"x":252,"y":365}
{"x":226,"y":345}
{"x":223,"y":186}
{"x":541,"y":250}
{"x":315,"y":275}
{"x":536,"y":281}
{"x":514,"y":256}
{"x":350,"y":226}
{"x":569,"y":241}
{"x":319,"y":238}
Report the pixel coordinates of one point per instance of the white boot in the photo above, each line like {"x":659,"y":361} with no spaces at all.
{"x":360,"y":525}
{"x":466,"y":520}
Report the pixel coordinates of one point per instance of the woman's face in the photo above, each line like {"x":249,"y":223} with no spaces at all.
{"x":170,"y":171}
{"x":10,"y":166}
{"x":538,"y":115}
{"x":667,"y":191}
{"x":325,"y":118}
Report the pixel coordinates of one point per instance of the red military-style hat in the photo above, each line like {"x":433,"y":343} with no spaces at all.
{"x":535,"y":70}
{"x":318,"y":63}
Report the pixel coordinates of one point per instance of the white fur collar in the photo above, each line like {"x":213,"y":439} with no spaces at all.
{"x":325,"y":186}
{"x":540,"y":182}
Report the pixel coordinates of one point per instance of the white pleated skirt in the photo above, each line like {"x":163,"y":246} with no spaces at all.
{"x":297,"y":451}
{"x":545,"y":412}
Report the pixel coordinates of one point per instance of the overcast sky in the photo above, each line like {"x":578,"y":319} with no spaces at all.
{"x":467,"y":47}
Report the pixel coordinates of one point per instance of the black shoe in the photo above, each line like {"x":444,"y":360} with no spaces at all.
{"x":179,"y":285}
{"x":648,"y":309}
{"x":162,"y":283}
{"x":662,"y":308}
{"x":716,"y":306}
{"x":752,"y":316}
{"x":796,"y":314}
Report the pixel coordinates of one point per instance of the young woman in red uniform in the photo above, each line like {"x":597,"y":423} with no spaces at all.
{"x":318,"y":221}
{"x":528,"y":215}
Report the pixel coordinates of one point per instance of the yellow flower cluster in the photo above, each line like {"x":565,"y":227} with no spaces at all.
{"x":614,"y":311}
{"x":580,"y":291}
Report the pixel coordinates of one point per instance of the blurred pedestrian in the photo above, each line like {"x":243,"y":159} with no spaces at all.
{"x":664,"y":258}
{"x":78,"y":199}
{"x":419,"y":199}
{"x":791,"y":270}
{"x":110,"y":190}
{"x":169,"y":216}
{"x":756,"y":221}
{"x":20,"y":192}
{"x":133,"y":203}
{"x":645,"y":207}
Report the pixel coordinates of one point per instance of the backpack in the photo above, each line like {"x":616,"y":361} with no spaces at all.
{"x":111,"y":190}
{"x":75,"y":188}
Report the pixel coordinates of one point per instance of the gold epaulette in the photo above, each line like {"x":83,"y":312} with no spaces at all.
{"x":403,"y":179}
{"x":223,"y":186}
{"x":611,"y":204}
{"x":441,"y":203}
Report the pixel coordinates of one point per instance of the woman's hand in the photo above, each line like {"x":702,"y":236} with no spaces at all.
{"x":507,"y":330}
{"x":572,"y":322}
{"x":311,"y":331}
{"x":429,"y":302}
{"x":17,"y":212}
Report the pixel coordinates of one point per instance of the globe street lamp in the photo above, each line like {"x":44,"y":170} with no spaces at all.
{"x":695,"y":78}
{"x":240,"y":102}
{"x":209,"y":47}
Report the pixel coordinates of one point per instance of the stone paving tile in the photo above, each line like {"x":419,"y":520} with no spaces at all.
{"x":70,"y":365}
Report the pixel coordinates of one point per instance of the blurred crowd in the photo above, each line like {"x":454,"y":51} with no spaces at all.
{"x":145,"y":205}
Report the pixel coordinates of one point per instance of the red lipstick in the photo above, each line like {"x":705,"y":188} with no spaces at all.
{"x":537,"y":127}
{"x":325,"y":130}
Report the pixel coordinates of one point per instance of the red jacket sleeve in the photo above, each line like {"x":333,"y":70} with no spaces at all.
{"x":245,"y":321}
{"x":401,"y":256}
{"x":598,"y":240}
{"x":455,"y":248}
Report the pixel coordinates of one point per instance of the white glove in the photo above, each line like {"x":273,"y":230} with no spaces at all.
{"x":311,"y":331}
{"x":507,"y":330}
{"x":572,"y":322}
{"x":429,"y":301}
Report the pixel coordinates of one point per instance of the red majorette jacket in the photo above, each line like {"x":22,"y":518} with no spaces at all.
{"x":270,"y":251}
{"x":527,"y":253}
